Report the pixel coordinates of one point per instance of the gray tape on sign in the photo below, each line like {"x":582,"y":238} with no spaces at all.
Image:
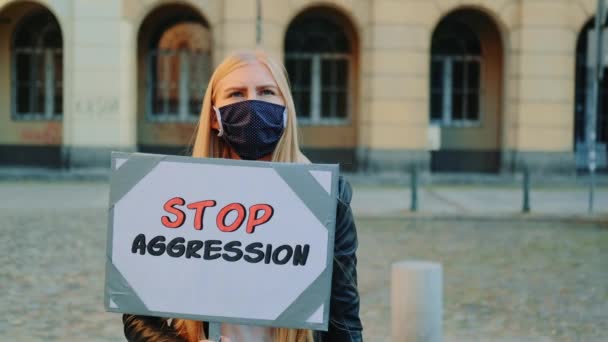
{"x":306,"y":187}
{"x":119,"y":292}
{"x":126,"y":177}
{"x":307,"y":302}
{"x":314,"y":196}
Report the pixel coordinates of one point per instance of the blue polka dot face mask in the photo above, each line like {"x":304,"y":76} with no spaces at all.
{"x":252,"y":128}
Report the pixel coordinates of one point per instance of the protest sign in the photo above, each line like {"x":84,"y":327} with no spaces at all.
{"x":221,"y":240}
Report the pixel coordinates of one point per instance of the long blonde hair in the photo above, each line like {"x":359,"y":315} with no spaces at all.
{"x":208,"y":145}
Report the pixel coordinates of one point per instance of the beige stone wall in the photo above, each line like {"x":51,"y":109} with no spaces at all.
{"x":542,"y":77}
{"x":400,"y":55}
{"x":541,"y":81}
{"x":535,"y":111}
{"x":103,"y":103}
{"x":235,"y":28}
{"x":396,"y":82}
{"x":22,"y":132}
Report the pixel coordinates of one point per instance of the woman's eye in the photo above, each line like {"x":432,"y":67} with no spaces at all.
{"x":236,"y":94}
{"x":267,"y":92}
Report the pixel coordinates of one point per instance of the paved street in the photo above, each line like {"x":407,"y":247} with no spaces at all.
{"x":368,"y":200}
{"x":478,"y":200}
{"x":504,"y":280}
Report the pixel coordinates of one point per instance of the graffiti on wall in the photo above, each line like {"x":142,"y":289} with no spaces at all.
{"x":172,"y":133}
{"x":96,"y":107}
{"x":49,"y":134}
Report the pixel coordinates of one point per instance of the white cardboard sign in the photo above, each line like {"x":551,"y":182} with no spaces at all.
{"x":221,"y":240}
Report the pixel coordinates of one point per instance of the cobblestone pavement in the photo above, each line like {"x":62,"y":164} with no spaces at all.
{"x":503,"y":280}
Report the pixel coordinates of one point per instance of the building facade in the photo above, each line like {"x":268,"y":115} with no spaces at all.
{"x":379,"y":85}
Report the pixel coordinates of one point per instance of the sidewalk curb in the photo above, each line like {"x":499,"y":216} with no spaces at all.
{"x":512,"y":179}
{"x":42,"y":174}
{"x":357,"y":179}
{"x":598,"y":219}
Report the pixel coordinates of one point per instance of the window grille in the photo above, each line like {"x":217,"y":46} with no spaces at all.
{"x":319,"y":63}
{"x":37,"y":68}
{"x":583,"y":93}
{"x":178,"y":80}
{"x":456,"y":65}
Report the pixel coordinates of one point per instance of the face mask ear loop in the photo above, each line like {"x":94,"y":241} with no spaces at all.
{"x":285,"y":118}
{"x":219,"y":121}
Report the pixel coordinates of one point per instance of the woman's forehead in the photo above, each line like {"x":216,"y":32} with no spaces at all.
{"x":250,"y":74}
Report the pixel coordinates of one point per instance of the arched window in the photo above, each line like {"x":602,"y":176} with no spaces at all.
{"x":583,"y":91}
{"x":179,"y":65}
{"x":318,"y":58}
{"x":455,"y":74}
{"x":37,"y":67}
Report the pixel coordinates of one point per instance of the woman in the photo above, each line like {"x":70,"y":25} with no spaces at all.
{"x":248,"y":113}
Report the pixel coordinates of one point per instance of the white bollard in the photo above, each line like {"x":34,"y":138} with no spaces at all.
{"x":416,"y":301}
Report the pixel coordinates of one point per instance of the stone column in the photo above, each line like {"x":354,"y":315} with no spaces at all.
{"x":397,"y":83}
{"x":100,"y":103}
{"x":542,"y":77}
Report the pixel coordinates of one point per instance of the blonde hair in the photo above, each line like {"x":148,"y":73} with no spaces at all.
{"x":208,"y":145}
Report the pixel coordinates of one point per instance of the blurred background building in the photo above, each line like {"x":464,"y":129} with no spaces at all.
{"x":380,"y":85}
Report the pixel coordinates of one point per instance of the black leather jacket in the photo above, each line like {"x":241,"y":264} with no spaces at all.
{"x":344,"y":322}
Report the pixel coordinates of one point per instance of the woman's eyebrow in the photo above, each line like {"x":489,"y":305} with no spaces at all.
{"x":267,"y":86}
{"x":229,"y":89}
